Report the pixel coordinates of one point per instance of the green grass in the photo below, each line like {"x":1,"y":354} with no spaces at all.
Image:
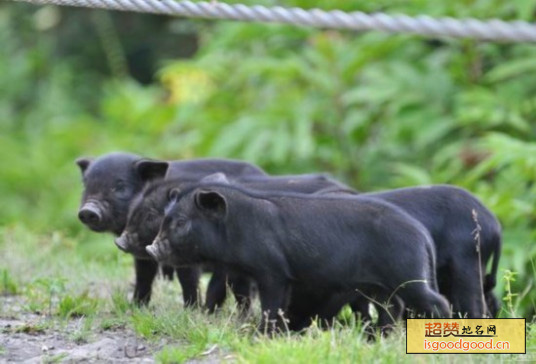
{"x":7,"y":283}
{"x":84,"y":331}
{"x":54,"y":358}
{"x":83,"y":283}
{"x":81,"y":305}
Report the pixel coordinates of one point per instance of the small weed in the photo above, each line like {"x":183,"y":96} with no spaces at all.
{"x":144,"y":324}
{"x":30,"y":329}
{"x":509,"y":297}
{"x":112,"y":323}
{"x":120,"y":303}
{"x":7,"y":284}
{"x":82,"y":305}
{"x":180,"y":354}
{"x":54,"y":358}
{"x":81,"y":335}
{"x":43,"y":293}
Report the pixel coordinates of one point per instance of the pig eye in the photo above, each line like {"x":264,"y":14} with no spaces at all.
{"x":173,"y":194}
{"x":181,"y":222}
{"x":119,"y":188}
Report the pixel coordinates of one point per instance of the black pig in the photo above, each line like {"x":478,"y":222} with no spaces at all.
{"x":147,"y":212}
{"x":322,"y":243}
{"x":446,"y":212}
{"x":113,"y":180}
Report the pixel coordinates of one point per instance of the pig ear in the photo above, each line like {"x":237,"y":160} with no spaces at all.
{"x":211,"y":202}
{"x":149,"y":170}
{"x":216,"y":178}
{"x":83,"y":163}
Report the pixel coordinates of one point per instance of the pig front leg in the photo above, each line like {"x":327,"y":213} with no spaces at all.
{"x":217,"y":289}
{"x":239,"y":284}
{"x":146,"y":271}
{"x":167,"y":272}
{"x":189,"y":281}
{"x":274,"y":295}
{"x":241,"y":287}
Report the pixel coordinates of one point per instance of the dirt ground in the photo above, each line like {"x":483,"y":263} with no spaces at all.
{"x":27,"y":337}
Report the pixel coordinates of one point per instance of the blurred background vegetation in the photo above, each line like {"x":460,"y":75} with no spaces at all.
{"x":377,"y":111}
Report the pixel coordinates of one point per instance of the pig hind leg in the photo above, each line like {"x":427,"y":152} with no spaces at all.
{"x":420,"y":297}
{"x":466,"y":290}
{"x":388,"y":306}
{"x":389,"y":313}
{"x":493,"y":305}
{"x":360,"y":308}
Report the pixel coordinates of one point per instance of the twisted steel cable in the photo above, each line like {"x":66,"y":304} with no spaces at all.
{"x":492,"y":30}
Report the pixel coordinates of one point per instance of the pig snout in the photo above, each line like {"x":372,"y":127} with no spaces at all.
{"x":122,"y":242}
{"x":90,"y":214}
{"x":156,"y":249}
{"x":152,"y":251}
